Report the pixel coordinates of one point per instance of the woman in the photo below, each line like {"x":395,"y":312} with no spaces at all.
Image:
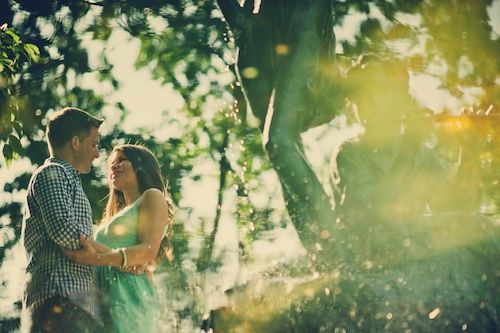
{"x":137,"y":221}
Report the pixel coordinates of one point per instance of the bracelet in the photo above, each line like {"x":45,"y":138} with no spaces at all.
{"x":124,"y":255}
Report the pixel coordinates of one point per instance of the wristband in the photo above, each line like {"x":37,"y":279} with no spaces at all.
{"x":124,"y":256}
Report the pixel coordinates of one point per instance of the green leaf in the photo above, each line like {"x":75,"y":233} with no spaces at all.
{"x":6,"y":62}
{"x":7,"y":154}
{"x":15,"y":143}
{"x":19,"y":129}
{"x":32,"y":51}
{"x":14,"y":36}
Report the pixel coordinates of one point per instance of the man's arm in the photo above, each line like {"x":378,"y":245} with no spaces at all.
{"x":53,"y":195}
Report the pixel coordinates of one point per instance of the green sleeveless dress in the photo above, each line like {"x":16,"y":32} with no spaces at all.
{"x":130,"y":302}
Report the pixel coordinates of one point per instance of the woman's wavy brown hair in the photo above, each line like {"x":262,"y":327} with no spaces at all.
{"x":148,"y":173}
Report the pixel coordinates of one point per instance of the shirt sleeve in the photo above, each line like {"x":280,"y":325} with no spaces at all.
{"x":53,"y":194}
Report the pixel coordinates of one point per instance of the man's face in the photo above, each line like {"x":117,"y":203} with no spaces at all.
{"x":86,"y":151}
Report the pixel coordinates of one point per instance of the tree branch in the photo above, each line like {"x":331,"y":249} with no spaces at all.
{"x":94,"y":3}
{"x":225,"y":167}
{"x":248,"y":6}
{"x":234,"y":14}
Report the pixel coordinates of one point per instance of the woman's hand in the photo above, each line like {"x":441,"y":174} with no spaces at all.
{"x":87,"y":255}
{"x":136,"y":269}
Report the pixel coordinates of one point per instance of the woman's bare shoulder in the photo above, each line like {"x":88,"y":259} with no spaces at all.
{"x":153,"y":198}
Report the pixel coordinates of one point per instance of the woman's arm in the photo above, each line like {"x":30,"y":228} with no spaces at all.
{"x":95,"y":254}
{"x":153,"y":214}
{"x":100,"y":248}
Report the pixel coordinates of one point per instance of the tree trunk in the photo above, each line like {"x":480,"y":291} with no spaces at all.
{"x":285,"y":64}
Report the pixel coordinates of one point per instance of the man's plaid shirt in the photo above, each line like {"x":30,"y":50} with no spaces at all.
{"x":58,"y":212}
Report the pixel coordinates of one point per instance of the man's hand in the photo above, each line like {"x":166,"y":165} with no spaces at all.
{"x":86,"y":256}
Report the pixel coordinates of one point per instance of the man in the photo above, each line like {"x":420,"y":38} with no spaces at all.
{"x":60,"y":295}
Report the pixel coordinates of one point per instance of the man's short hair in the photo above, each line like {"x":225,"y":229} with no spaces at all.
{"x":67,"y":123}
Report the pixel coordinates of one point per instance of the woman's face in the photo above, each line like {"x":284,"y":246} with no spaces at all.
{"x":121,"y":172}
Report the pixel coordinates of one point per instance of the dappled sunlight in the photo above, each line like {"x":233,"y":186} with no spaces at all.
{"x":334,"y":164}
{"x":250,"y":73}
{"x":258,"y":304}
{"x":401,"y":291}
{"x":119,"y":230}
{"x":457,"y":124}
{"x":282,"y":49}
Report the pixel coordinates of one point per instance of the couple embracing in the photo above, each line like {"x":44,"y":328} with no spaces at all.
{"x":77,"y":281}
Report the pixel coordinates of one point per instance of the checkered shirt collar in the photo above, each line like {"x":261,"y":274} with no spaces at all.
{"x":64,"y":163}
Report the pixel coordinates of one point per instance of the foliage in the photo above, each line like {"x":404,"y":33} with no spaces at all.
{"x":14,"y":56}
{"x":187,"y":46}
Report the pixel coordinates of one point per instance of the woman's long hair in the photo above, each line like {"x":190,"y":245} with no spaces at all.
{"x":148,"y":173}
